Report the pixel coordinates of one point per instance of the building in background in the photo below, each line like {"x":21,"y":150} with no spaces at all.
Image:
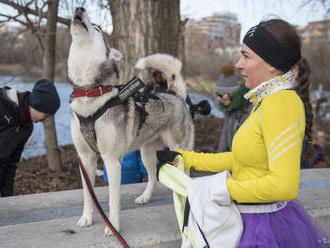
{"x":221,"y":30}
{"x":315,"y":32}
{"x":211,"y":42}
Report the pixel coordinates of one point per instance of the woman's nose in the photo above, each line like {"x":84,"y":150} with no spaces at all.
{"x":238,"y":65}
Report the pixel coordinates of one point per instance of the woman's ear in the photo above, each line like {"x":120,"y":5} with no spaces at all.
{"x":273,"y":70}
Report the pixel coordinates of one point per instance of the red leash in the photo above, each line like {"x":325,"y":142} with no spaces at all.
{"x":99,"y":208}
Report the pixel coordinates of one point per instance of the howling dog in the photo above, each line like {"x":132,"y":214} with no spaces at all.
{"x":111,"y":130}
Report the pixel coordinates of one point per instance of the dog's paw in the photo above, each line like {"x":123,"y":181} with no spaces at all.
{"x":108,"y":232}
{"x":142,"y":199}
{"x":85,"y":221}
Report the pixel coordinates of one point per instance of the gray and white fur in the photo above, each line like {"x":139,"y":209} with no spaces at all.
{"x":117,"y":131}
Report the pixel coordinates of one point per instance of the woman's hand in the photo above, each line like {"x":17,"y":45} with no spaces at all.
{"x":167,"y":156}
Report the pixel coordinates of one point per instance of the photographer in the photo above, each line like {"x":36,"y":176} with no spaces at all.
{"x":230,"y":96}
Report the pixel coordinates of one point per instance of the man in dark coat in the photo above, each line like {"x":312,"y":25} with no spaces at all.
{"x":18,"y":111}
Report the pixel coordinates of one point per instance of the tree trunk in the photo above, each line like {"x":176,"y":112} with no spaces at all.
{"x":181,"y":45}
{"x":141,"y":28}
{"x":53,"y":155}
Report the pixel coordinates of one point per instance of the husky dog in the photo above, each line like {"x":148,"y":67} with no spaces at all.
{"x":163,"y":120}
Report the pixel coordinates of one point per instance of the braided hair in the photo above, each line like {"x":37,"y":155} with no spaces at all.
{"x":287,"y":36}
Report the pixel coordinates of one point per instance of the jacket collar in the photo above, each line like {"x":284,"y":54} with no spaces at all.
{"x":24,"y":115}
{"x":282,"y":82}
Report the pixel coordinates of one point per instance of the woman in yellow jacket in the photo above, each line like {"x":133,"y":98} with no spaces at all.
{"x":266,"y":149}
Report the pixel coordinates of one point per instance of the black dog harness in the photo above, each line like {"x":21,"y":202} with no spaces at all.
{"x":130,"y":89}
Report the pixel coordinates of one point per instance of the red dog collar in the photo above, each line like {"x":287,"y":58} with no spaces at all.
{"x":93,"y":92}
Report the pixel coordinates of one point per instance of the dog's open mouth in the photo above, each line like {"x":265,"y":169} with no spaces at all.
{"x":78,"y":20}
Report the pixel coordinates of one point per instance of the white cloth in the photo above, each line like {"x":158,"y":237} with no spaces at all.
{"x":214,"y":211}
{"x":211,"y":207}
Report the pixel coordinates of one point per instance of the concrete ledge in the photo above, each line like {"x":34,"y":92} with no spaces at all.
{"x":142,"y":227}
{"x":64,"y":204}
{"x":49,"y":219}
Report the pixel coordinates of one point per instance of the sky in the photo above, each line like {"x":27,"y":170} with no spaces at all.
{"x":250,"y":12}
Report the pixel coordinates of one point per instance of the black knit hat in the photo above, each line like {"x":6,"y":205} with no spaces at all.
{"x":44,"y":97}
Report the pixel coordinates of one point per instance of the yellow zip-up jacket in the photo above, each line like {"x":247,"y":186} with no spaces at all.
{"x":266,"y":152}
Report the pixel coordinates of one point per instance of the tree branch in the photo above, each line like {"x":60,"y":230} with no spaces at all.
{"x":26,"y":10}
{"x":13,"y":18}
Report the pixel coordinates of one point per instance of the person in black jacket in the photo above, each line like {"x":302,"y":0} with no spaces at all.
{"x":18,"y":111}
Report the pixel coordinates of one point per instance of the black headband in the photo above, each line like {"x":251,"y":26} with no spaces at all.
{"x":269,"y":49}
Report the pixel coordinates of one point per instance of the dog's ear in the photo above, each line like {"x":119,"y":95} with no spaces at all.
{"x":115,"y":54}
{"x":141,"y":64}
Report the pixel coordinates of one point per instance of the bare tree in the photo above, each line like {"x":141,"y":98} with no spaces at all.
{"x":142,"y":28}
{"x":316,"y":4}
{"x":23,"y":9}
{"x":47,"y":42}
{"x":318,"y":55}
{"x":53,"y":155}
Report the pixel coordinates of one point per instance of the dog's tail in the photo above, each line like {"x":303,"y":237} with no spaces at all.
{"x":170,"y":68}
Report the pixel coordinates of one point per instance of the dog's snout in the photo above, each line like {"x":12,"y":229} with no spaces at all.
{"x":80,"y":10}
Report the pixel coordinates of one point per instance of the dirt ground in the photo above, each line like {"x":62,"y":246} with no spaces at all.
{"x":33,"y":176}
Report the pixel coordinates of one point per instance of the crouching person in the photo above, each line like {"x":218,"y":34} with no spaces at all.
{"x":18,"y":111}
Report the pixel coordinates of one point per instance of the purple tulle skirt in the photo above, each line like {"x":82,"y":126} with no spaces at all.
{"x":289,"y":227}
